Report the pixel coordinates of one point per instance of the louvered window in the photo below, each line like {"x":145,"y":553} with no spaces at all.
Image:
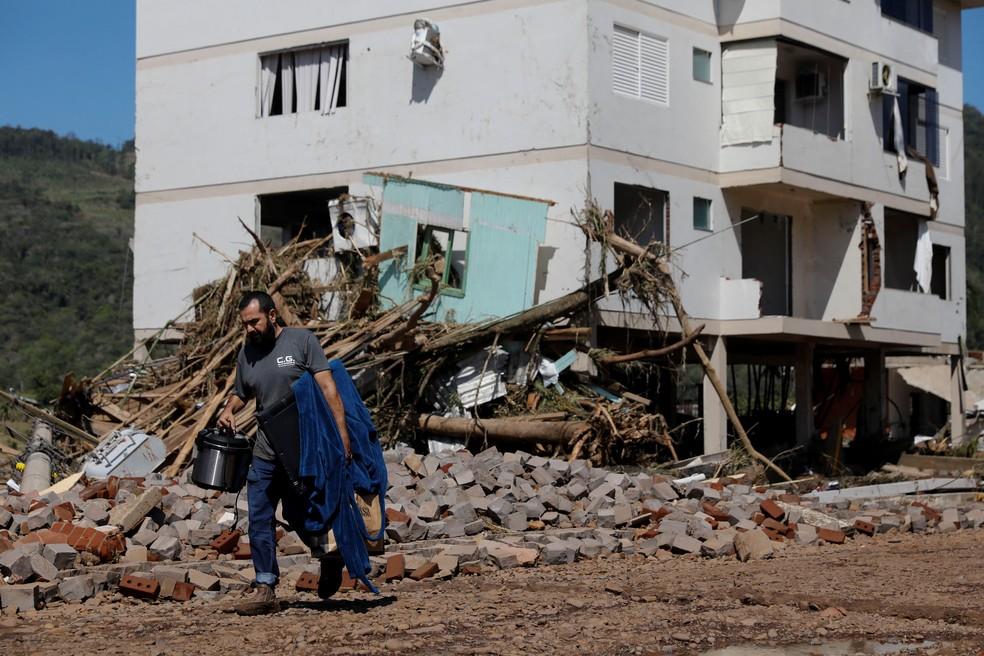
{"x":640,"y":65}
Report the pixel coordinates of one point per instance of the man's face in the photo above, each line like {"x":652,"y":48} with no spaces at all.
{"x":259,"y":325}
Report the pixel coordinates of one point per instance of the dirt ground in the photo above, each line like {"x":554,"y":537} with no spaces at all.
{"x":923,"y":592}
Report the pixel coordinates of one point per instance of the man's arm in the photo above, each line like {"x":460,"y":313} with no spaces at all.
{"x":327,"y":384}
{"x":228,"y":417}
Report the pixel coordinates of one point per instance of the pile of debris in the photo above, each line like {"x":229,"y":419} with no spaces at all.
{"x":448,"y":514}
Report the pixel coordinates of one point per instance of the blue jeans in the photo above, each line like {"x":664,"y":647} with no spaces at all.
{"x":268,"y":485}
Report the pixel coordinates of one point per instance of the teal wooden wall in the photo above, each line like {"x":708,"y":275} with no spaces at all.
{"x":504,"y":234}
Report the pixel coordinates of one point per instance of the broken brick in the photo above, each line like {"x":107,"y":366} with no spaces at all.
{"x":425,"y":571}
{"x":862,"y":526}
{"x":395,"y":567}
{"x":143,"y":588}
{"x":772,"y":509}
{"x":226,"y":542}
{"x":307,"y":582}
{"x":182,"y":591}
{"x":831,"y":535}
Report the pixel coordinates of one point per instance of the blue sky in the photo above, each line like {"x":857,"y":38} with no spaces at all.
{"x":70,"y":65}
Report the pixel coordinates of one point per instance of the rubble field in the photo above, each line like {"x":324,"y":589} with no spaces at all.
{"x":890,"y":589}
{"x":497,"y":552}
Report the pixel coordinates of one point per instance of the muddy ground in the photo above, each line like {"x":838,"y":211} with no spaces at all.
{"x":924,"y":592}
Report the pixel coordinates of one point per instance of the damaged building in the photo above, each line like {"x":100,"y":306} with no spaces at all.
{"x":802,"y":162}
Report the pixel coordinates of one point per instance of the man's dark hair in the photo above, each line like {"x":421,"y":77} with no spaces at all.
{"x":264,"y":300}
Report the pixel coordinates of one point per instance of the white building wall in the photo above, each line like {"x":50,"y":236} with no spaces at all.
{"x":525,"y":106}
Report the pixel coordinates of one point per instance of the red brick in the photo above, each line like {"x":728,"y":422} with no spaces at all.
{"x":929,"y":512}
{"x":47,"y":536}
{"x":348,"y":582}
{"x":831,"y":535}
{"x":445,"y":467}
{"x":715,"y":512}
{"x":773,"y":535}
{"x":773,"y":525}
{"x":113,"y":487}
{"x":242,"y":552}
{"x":75,"y":537}
{"x":425,"y":571}
{"x":226,"y":542}
{"x":394,"y":515}
{"x":95,"y":491}
{"x":470,"y":568}
{"x":182,"y":591}
{"x":395,"y":567}
{"x":758,"y":518}
{"x":35,"y":504}
{"x":771,"y":509}
{"x":659,"y":514}
{"x":716,"y":486}
{"x":6,"y":544}
{"x":280,"y":534}
{"x":789,"y":498}
{"x":862,"y":526}
{"x":63,"y":527}
{"x":140,"y":587}
{"x":307,"y":581}
{"x":64,"y":511}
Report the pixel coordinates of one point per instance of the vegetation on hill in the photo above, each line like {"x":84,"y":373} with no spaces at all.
{"x":974,"y":205}
{"x":66,"y":218}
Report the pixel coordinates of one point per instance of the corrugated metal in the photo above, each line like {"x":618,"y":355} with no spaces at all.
{"x":655,"y":68}
{"x":625,"y":61}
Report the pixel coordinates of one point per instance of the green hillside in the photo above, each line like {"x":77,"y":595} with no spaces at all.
{"x":66,"y":217}
{"x":974,"y":205}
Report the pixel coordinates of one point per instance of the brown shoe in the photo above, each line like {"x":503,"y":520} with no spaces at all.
{"x":263,"y":601}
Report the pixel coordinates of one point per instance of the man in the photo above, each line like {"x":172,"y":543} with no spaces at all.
{"x":271,"y":359}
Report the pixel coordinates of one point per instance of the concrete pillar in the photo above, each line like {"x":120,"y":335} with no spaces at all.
{"x":715,"y":419}
{"x":958,"y":425}
{"x":803,"y":373}
{"x":875,"y":393}
{"x":37,"y":467}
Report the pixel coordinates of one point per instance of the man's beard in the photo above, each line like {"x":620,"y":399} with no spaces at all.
{"x":264,"y":339}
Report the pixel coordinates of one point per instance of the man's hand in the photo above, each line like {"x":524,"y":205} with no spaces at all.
{"x":228,"y":417}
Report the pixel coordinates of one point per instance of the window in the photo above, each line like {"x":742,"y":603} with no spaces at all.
{"x":640,"y":65}
{"x":301,"y":214}
{"x":447,"y":251}
{"x":702,"y":214}
{"x":940,"y":284}
{"x":919,"y":108}
{"x":640,"y":213}
{"x":901,"y":234}
{"x":305,"y":80}
{"x":915,"y":13}
{"x":702,"y":65}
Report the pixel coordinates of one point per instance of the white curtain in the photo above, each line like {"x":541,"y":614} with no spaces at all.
{"x":332,"y":59}
{"x":899,"y":136}
{"x":287,"y":83}
{"x":923,"y":265}
{"x":268,"y":81}
{"x":306,"y":78}
{"x":748,"y":81}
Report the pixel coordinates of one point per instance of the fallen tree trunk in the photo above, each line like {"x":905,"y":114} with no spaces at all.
{"x":554,"y":432}
{"x":651,"y":353}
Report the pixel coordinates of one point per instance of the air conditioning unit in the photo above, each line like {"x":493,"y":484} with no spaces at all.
{"x":811,"y":85}
{"x":883,"y":78}
{"x":425,"y":45}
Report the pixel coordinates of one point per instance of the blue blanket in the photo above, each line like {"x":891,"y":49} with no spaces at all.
{"x":333,"y":482}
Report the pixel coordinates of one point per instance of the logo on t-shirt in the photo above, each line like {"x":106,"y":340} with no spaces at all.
{"x":285,"y":361}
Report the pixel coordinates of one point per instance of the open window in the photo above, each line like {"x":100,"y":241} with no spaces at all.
{"x":309,"y":79}
{"x":446,"y":250}
{"x":914,"y":13}
{"x":940,"y":284}
{"x":640,"y":213}
{"x":302,"y":214}
{"x":920,"y":112}
{"x":809,"y":89}
{"x":766,"y":256}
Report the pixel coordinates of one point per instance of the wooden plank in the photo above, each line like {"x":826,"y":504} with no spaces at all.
{"x":939,"y":463}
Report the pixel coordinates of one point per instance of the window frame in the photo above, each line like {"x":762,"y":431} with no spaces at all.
{"x":443,"y":287}
{"x":710,"y":61}
{"x":346,"y":60}
{"x":709,"y":204}
{"x":924,"y":11}
{"x":639,"y":36}
{"x":909,"y":108}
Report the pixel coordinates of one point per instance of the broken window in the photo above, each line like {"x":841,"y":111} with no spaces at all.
{"x":640,"y":213}
{"x":940,"y":284}
{"x":915,"y":13}
{"x":640,"y":64}
{"x":302,"y":214}
{"x":446,"y":251}
{"x":901,"y":233}
{"x":702,"y":214}
{"x":303,"y":80}
{"x":919,"y":108}
{"x":809,"y":89}
{"x":766,"y":256}
{"x":702,"y":65}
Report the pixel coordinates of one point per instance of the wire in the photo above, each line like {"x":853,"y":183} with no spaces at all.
{"x":714,"y":234}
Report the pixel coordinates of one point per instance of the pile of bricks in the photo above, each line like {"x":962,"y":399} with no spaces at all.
{"x":448,"y":514}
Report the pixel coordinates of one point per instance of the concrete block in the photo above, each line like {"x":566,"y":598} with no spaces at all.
{"x":719,"y":545}
{"x":202,"y":580}
{"x":20,"y":598}
{"x":144,"y":537}
{"x":464,"y":511}
{"x":686,"y":544}
{"x":534,"y":508}
{"x":753,"y":545}
{"x":76,"y":588}
{"x":42,"y":568}
{"x":558,"y":553}
{"x":61,"y":556}
{"x":17,"y":563}
{"x":166,"y":548}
